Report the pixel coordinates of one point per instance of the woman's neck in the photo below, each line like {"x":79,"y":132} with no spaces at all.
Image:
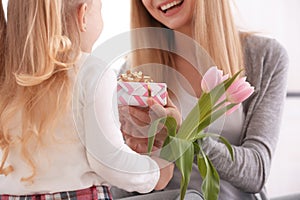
{"x":190,"y":73}
{"x":187,"y":29}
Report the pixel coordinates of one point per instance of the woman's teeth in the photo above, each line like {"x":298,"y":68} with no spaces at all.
{"x":164,"y":8}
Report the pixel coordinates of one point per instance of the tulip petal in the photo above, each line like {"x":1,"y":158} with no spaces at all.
{"x":239,"y":91}
{"x":212,"y":78}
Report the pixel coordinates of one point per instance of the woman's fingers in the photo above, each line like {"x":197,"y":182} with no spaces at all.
{"x":134,"y":120}
{"x":156,"y":110}
{"x":138,"y":115}
{"x":173,"y":111}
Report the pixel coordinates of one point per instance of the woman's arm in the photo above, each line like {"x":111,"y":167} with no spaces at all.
{"x":251,"y":167}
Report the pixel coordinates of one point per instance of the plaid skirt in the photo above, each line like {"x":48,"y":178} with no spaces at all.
{"x":93,"y":193}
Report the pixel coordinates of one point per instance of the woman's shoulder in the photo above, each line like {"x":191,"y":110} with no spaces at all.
{"x":264,"y":57}
{"x":259,"y":45}
{"x":264,"y":52}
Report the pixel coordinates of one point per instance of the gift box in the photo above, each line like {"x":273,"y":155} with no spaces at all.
{"x":137,"y":93}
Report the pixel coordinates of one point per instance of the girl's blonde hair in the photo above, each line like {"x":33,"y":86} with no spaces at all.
{"x":2,"y":41}
{"x":42,"y":42}
{"x":214,"y":29}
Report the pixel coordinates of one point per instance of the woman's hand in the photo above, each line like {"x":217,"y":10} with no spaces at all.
{"x":135,"y":123}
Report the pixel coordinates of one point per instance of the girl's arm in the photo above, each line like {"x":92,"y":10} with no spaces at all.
{"x":106,"y":151}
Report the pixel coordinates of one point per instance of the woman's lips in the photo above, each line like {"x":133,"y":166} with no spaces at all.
{"x":168,"y":6}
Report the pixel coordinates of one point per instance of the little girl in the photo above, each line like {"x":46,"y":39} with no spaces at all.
{"x":43,"y":156}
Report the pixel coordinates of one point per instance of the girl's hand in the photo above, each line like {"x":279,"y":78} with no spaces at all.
{"x":166,"y":172}
{"x":135,"y":123}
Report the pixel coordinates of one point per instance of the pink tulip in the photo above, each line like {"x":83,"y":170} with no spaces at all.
{"x":212,"y":78}
{"x":239,"y":91}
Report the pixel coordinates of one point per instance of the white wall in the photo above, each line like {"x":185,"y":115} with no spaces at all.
{"x":115,"y":15}
{"x":279,"y":19}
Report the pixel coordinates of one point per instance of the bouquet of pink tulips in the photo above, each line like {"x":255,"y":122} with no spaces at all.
{"x":220,"y":95}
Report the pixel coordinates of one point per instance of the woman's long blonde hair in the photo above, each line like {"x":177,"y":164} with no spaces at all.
{"x":42,"y":42}
{"x":214,"y":30}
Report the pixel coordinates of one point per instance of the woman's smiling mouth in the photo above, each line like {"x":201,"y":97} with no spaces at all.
{"x":166,"y":7}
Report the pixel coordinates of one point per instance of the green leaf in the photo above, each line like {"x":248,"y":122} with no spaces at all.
{"x":174,"y":148}
{"x":190,"y":123}
{"x":222,"y":139}
{"x":196,"y":147}
{"x":203,"y":109}
{"x":169,"y":122}
{"x":229,"y":81}
{"x":213,"y":117}
{"x":228,"y":145}
{"x":184,"y":164}
{"x":182,"y":152}
{"x":151,"y":133}
{"x":171,"y":125}
{"x":211,"y":180}
{"x":201,"y":166}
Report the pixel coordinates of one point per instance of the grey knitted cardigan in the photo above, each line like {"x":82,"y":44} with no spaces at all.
{"x":266,"y":69}
{"x":266,"y":64}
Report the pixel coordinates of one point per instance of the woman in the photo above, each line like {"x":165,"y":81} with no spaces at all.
{"x":253,"y":129}
{"x":43,"y":154}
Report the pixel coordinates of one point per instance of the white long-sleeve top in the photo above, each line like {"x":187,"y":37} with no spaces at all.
{"x":90,"y":151}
